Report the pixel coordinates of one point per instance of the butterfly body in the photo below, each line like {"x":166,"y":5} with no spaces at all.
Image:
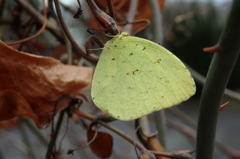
{"x":135,"y":77}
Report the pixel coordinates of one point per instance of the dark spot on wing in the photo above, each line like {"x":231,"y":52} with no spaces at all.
{"x":133,"y":72}
{"x":123,"y":61}
{"x":158,"y":61}
{"x":113,"y":59}
{"x":144,"y":48}
{"x":131,"y":54}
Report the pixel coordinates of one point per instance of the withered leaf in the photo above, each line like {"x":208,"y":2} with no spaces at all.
{"x":39,"y":81}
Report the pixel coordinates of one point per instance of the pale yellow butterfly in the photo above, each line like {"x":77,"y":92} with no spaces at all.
{"x":135,"y":77}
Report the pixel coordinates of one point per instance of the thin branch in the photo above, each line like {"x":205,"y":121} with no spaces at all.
{"x":201,"y":80}
{"x":39,"y":32}
{"x":187,"y":131}
{"x":131,"y":15}
{"x":157,"y":22}
{"x":117,"y":131}
{"x":110,"y":7}
{"x":68,"y":34}
{"x":126,"y":137}
{"x":40,"y":19}
{"x":70,"y":151}
{"x":54,"y":136}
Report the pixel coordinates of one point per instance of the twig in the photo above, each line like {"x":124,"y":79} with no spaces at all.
{"x":125,"y":136}
{"x":70,"y":151}
{"x":54,"y":136}
{"x":131,"y":15}
{"x":158,"y":35}
{"x":68,"y":34}
{"x":119,"y":132}
{"x":40,"y":19}
{"x":110,"y":7}
{"x":26,"y":34}
{"x":192,"y":133}
{"x":201,"y":80}
{"x":157,"y":22}
{"x":183,"y":117}
{"x":39,"y":32}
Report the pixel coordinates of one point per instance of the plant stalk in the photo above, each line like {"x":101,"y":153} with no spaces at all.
{"x":54,"y":137}
{"x":217,"y":78}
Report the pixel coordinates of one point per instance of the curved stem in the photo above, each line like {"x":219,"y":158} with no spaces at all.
{"x":119,"y":132}
{"x":39,"y":32}
{"x":68,"y":34}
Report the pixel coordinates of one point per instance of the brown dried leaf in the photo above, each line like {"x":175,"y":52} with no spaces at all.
{"x":39,"y":81}
{"x":6,"y":124}
{"x":102,"y":144}
{"x":13,"y":104}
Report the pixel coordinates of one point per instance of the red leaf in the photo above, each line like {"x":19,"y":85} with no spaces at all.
{"x":102,"y":144}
